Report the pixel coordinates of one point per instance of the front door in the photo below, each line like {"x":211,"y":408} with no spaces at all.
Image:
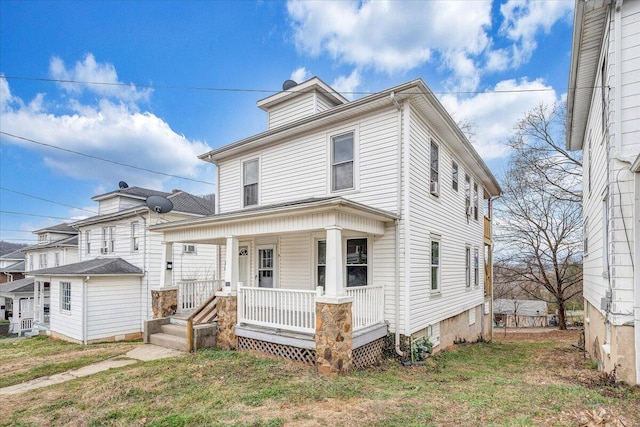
{"x":243,"y":265}
{"x":266,"y":266}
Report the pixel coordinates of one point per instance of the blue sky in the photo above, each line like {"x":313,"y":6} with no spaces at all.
{"x":183,"y":77}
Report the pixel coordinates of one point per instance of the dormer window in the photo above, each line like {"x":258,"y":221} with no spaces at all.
{"x":342,"y":162}
{"x":250,"y":180}
{"x":43,"y":238}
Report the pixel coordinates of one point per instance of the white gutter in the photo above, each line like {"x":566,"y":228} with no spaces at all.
{"x":399,"y":352}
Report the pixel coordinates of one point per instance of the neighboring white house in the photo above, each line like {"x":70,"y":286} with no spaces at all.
{"x":603,"y":120}
{"x":381,"y":202}
{"x":520,"y":313}
{"x":11,"y":268}
{"x":105,"y":295}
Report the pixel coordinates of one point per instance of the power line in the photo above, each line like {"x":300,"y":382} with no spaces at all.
{"x":20,"y":240}
{"x":222,"y":89}
{"x":15,"y":229}
{"x":36,"y":215}
{"x":103,"y":159}
{"x":46,"y":200}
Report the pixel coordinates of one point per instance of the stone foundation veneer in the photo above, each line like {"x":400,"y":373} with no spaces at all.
{"x":227,"y":319}
{"x":334,"y":338}
{"x":164,"y":302}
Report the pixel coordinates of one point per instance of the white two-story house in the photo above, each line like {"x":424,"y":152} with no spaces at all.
{"x":107,"y":293}
{"x":603,"y":120}
{"x":346,"y":221}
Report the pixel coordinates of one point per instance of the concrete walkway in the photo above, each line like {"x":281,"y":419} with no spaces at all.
{"x":143,"y":353}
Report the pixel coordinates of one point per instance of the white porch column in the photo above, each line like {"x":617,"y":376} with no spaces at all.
{"x":166,"y":277}
{"x":231,"y":270}
{"x":334,"y":286}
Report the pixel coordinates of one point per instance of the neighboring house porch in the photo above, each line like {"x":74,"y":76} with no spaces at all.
{"x":300,"y":278}
{"x":19,"y":302}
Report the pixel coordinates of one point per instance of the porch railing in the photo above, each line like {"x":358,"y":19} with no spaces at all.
{"x":192,"y":293}
{"x":26,"y":324}
{"x":286,"y":309}
{"x":368,"y":305}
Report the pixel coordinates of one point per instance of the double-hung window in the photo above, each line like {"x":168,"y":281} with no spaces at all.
{"x":250,"y":180}
{"x":42,"y":261}
{"x":56,"y":259}
{"x":321,"y":265}
{"x":135,"y":239}
{"x":108,"y":239}
{"x":435,"y":265}
{"x":435,"y":169}
{"x":454,"y":176}
{"x":476,"y":267}
{"x":65,"y":296}
{"x":87,"y":241}
{"x":467,"y":264}
{"x":342,"y":162}
{"x":357,"y":262}
{"x":467,"y":193}
{"x":475,"y":201}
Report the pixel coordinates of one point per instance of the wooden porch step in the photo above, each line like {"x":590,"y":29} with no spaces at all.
{"x":169,"y":341}
{"x":175,"y":330}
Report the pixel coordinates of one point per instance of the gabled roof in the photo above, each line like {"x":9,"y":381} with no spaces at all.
{"x":421,"y":97}
{"x":188,"y":203}
{"x":71,"y":241}
{"x":13,"y":255}
{"x":131,"y":192}
{"x":17,"y":286}
{"x":589,"y":23}
{"x":93,"y":267}
{"x":18,"y":267}
{"x":63,"y":228}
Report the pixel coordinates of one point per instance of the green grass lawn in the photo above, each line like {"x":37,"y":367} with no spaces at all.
{"x":504,"y":383}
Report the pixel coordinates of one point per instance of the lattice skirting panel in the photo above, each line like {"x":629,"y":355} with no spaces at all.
{"x":297,"y":354}
{"x":368,"y":354}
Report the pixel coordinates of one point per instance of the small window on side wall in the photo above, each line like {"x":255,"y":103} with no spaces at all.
{"x":435,"y":265}
{"x":250,"y":179}
{"x":434,"y":182}
{"x":342,"y":162}
{"x":454,"y":176}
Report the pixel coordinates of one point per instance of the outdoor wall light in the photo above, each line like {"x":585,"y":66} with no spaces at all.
{"x":169,"y":265}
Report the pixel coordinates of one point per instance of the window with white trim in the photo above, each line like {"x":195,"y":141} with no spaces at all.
{"x":585,"y":236}
{"x":435,"y":265}
{"x":87,"y":241}
{"x":108,"y":239}
{"x":32,"y":265}
{"x":476,"y":267}
{"x":65,"y":296}
{"x":467,"y":266}
{"x":454,"y":176}
{"x":434,"y":180}
{"x":42,"y":261}
{"x":467,"y":193}
{"x":342,"y":162}
{"x":56,"y":259}
{"x":357,"y":262}
{"x":250,"y":182}
{"x":135,"y":238}
{"x":321,"y":262}
{"x":476,"y":202}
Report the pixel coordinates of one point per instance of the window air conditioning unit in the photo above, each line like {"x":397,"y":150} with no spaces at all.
{"x":434,"y":188}
{"x":104,"y":250}
{"x":189,"y":249}
{"x":469,"y":210}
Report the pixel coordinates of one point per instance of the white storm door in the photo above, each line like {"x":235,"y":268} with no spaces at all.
{"x":266,"y":266}
{"x":243,"y":265}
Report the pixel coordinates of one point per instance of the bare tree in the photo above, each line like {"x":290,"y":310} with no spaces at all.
{"x":539,"y":217}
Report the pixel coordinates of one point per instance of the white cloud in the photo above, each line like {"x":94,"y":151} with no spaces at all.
{"x":523,"y":20}
{"x":346,"y":84}
{"x":111,"y":128}
{"x":89,"y":70}
{"x":494,"y":114}
{"x":300,"y":74}
{"x":391,"y":36}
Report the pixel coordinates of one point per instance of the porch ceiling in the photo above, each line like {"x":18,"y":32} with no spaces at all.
{"x":306,"y":215}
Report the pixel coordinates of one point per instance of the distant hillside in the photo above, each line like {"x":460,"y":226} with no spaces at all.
{"x":7,"y":247}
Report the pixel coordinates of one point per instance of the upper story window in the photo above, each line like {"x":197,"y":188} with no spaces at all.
{"x":454,"y":176}
{"x":56,"y":259}
{"x":135,"y":238}
{"x":42,"y":261}
{"x":43,"y":238}
{"x":87,"y":241}
{"x":475,"y":201}
{"x":108,"y":239}
{"x":250,"y":180}
{"x":342,"y":162}
{"x":467,"y":193}
{"x":435,"y":168}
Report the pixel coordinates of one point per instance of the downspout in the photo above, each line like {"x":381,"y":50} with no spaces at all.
{"x":85,"y":302}
{"x":397,"y":227}
{"x":636,"y":277}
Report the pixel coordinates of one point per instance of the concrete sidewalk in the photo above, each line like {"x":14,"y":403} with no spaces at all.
{"x":142,"y":353}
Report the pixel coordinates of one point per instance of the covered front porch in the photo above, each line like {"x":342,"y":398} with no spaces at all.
{"x":305,"y":280}
{"x":19,"y":300}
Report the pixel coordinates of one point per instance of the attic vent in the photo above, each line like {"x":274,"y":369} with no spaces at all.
{"x":289,"y":84}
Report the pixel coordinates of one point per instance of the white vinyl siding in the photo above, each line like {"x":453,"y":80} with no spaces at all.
{"x":115,"y":307}
{"x":292,"y":110}
{"x":67,"y":323}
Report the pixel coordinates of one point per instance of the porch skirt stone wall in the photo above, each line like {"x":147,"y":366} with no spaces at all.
{"x":164,"y":302}
{"x":227,"y":319}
